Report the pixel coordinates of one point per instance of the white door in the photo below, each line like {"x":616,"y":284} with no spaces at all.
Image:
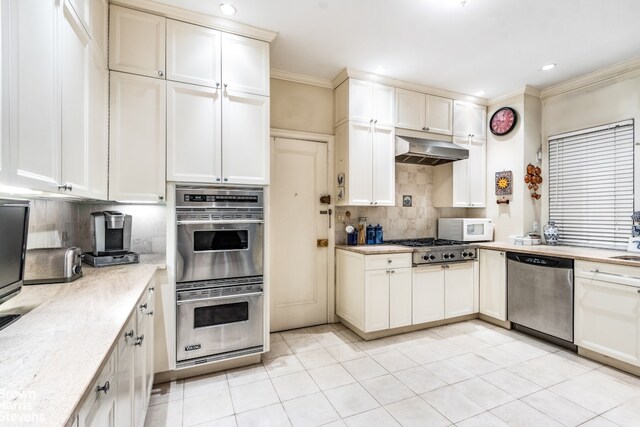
{"x":139,"y":370}
{"x":376,"y":300}
{"x":360,"y":183}
{"x":74,"y":60}
{"x":477,"y":121}
{"x":383,"y":104}
{"x":410,"y":109}
{"x":137,"y":138}
{"x":384,"y":167}
{"x":98,"y":128}
{"x":136,"y":42}
{"x":124,"y":375}
{"x":461,"y":176}
{"x":399,"y":297}
{"x":193,"y":133}
{"x":245,"y":64}
{"x":99,"y":28}
{"x":439,"y":115}
{"x":360,"y":101}
{"x":458,"y":289}
{"x":245,"y":138}
{"x":193,"y":54}
{"x":35,"y":100}
{"x":477,"y":183}
{"x":493,"y":284}
{"x":461,"y":125}
{"x":298,"y":265}
{"x":428,"y":294}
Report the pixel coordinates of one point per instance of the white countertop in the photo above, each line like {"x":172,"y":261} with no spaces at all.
{"x":376,"y":249}
{"x":574,"y":252}
{"x":53,"y":353}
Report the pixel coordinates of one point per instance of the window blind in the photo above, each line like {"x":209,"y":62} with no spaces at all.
{"x":591,"y":185}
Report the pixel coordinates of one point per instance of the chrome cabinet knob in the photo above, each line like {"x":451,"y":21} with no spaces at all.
{"x":139,"y":340}
{"x":152,"y":289}
{"x":160,"y":73}
{"x":104,"y":388}
{"x":161,"y":198}
{"x":226,"y":179}
{"x":143,"y":306}
{"x":129,"y":334}
{"x":218,"y":179}
{"x":150,"y":313}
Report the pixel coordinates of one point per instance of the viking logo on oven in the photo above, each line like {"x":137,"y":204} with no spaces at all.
{"x":192,"y":347}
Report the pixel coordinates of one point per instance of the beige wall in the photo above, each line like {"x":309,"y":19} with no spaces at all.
{"x":615,"y":100}
{"x":301,"y":107}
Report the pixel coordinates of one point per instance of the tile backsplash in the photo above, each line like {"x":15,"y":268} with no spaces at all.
{"x":400,"y":222}
{"x":55,"y":223}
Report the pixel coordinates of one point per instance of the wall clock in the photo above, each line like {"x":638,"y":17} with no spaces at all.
{"x":503,"y":121}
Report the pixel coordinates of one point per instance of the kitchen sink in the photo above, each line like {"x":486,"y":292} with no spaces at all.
{"x":627,"y":257}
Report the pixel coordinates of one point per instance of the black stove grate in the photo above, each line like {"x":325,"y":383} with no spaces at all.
{"x":423,"y":242}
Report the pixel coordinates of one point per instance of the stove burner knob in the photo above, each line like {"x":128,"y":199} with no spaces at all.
{"x":445,"y":256}
{"x":465,"y":254}
{"x":426,"y":257}
{"x":452,"y":256}
{"x":432,"y":257}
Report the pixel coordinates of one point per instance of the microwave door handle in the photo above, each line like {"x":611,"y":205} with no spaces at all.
{"x":230,"y":221}
{"x":251,"y":294}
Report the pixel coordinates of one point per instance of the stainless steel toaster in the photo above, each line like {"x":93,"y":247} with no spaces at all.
{"x":52,"y":265}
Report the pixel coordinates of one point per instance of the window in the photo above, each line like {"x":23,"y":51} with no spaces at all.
{"x":591,"y":185}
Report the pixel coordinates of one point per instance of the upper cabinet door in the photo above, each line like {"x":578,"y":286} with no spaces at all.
{"x":136,"y":42}
{"x":98,"y":128}
{"x":478,"y":121}
{"x":410,"y":108}
{"x":193,"y":133}
{"x":99,"y":20}
{"x":74,"y":62}
{"x":245,"y":64}
{"x":35,"y":100}
{"x":439,"y":117}
{"x":384,"y":167}
{"x":193,"y":54}
{"x":82,"y":9}
{"x":477,"y":163}
{"x":461,"y":177}
{"x":360,"y":173}
{"x":137,"y":138}
{"x":383,"y":104}
{"x":461,"y":126}
{"x":360,"y":101}
{"x":245,"y":138}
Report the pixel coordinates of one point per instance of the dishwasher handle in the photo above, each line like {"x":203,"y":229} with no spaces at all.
{"x":540,"y":261}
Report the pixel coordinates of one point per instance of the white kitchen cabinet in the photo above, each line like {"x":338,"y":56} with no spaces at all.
{"x":462,"y":183}
{"x":419,"y":111}
{"x":99,"y":29}
{"x":443,"y":291}
{"x":194,"y":135}
{"x":245,"y":64}
{"x":365,"y":154}
{"x":136,"y":42}
{"x":607,"y":310}
{"x":459,"y":289}
{"x":428,"y":294}
{"x":493,"y":284}
{"x":245,"y":138}
{"x":193,"y":54}
{"x":34,"y":95}
{"x":469,"y":120}
{"x":124,"y":375}
{"x":99,"y":408}
{"x":363,"y":101}
{"x":137,"y":138}
{"x":374,"y":291}
{"x":98,"y":118}
{"x":82,"y":9}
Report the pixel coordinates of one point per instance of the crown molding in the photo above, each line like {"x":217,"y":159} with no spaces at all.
{"x":526,"y":90}
{"x":604,"y":76}
{"x":202,"y":19}
{"x":351,"y":73}
{"x":300,"y":78}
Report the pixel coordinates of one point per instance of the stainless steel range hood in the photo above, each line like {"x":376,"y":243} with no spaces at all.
{"x":424,"y":148}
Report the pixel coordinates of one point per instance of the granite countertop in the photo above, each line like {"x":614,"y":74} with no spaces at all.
{"x":376,"y":249}
{"x":573,"y":252}
{"x":53,"y":353}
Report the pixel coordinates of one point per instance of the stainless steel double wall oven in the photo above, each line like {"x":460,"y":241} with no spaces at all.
{"x":219,"y":273}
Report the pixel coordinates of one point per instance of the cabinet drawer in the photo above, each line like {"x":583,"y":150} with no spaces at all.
{"x":613,"y":273}
{"x":378,"y":262}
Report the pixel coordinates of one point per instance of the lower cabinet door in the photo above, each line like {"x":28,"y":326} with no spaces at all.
{"x":607,"y":319}
{"x":493,"y":284}
{"x":124,"y":375}
{"x":99,"y":408}
{"x":458,"y":290}
{"x":139,"y":374}
{"x":428,"y":294}
{"x":399,"y":297}
{"x":376,"y":300}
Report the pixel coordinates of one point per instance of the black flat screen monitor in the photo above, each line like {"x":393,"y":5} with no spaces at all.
{"x":14,"y":224}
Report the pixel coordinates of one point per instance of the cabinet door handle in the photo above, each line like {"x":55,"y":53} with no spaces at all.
{"x":389,"y":261}
{"x":226,"y":179}
{"x":150,"y":313}
{"x":152,"y":289}
{"x":104,"y":388}
{"x":217,"y":85}
{"x":624,"y":276}
{"x":139,"y":340}
{"x":129,"y":334}
{"x":143,"y":306}
{"x":160,"y":73}
{"x":161,"y":198}
{"x":393,"y":271}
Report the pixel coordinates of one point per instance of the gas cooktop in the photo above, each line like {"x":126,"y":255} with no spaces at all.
{"x":428,"y":250}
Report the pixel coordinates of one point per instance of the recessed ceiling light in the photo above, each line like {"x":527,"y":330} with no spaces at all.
{"x":228,"y":9}
{"x":381,"y":70}
{"x":479,"y":93}
{"x":548,"y":67}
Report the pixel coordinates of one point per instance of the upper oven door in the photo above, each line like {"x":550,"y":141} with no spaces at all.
{"x":218,"y":250}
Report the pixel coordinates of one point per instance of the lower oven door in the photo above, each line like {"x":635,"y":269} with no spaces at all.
{"x":214,"y":327}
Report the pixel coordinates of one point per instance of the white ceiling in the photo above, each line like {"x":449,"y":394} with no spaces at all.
{"x":493,"y":45}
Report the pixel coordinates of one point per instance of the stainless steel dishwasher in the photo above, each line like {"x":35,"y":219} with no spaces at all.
{"x":540,"y":296}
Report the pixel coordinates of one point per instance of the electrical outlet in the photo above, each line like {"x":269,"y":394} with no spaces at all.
{"x":536,"y":226}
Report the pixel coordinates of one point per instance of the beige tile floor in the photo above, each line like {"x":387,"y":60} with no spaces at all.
{"x":469,"y":374}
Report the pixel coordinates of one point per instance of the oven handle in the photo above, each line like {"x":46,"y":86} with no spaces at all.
{"x":221,"y":222}
{"x":250,"y":294}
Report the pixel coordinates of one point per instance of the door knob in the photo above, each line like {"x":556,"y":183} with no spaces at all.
{"x":326,"y":199}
